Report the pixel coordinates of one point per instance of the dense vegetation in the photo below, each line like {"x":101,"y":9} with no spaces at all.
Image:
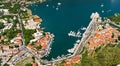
{"x":6,"y":16}
{"x":5,"y":65}
{"x":28,"y":35}
{"x":1,"y":25}
{"x":15,"y":8}
{"x":38,"y":47}
{"x":6,"y":5}
{"x":28,"y":64}
{"x":115,"y":18}
{"x":11,"y":33}
{"x":108,"y":56}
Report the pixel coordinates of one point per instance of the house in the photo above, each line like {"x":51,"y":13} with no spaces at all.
{"x":76,"y":59}
{"x":37,"y":20}
{"x":18,"y":42}
{"x":29,"y":46}
{"x":37,"y":36}
{"x":5,"y":11}
{"x":43,"y":41}
{"x":73,"y":60}
{"x":14,"y":50}
{"x":68,"y":62}
{"x":34,"y":64}
{"x":5,"y":47}
{"x":1,"y":51}
{"x":30,"y":24}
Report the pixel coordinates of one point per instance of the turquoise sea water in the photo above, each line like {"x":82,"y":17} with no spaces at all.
{"x":71,"y":15}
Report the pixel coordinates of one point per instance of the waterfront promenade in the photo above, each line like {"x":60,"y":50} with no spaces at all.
{"x":90,"y":31}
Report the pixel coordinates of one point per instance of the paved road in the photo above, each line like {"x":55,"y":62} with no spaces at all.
{"x":20,"y":22}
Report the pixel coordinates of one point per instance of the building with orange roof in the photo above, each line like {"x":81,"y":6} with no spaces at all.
{"x":5,"y":47}
{"x":44,"y":45}
{"x":71,"y":61}
{"x":29,"y":46}
{"x":37,"y":20}
{"x":0,"y":51}
{"x":103,"y":36}
{"x":18,"y":42}
{"x":68,"y":62}
{"x":34,"y":64}
{"x":76,"y":59}
{"x":43,"y":41}
{"x":14,"y":50}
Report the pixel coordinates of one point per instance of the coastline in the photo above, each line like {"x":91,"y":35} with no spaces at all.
{"x":40,"y":44}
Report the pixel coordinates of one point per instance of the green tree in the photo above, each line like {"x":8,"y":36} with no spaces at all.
{"x":38,"y":47}
{"x":115,"y":18}
{"x":6,"y":64}
{"x":119,"y":38}
{"x":28,"y":64}
{"x":11,"y":33}
{"x":28,"y":35}
{"x":1,"y":25}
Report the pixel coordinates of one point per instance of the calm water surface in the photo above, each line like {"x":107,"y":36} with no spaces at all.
{"x":71,"y":15}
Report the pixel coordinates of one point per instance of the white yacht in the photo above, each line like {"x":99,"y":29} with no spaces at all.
{"x":47,"y":5}
{"x":71,"y":33}
{"x":74,"y":34}
{"x":59,"y":3}
{"x":57,"y":8}
{"x":78,"y":41}
{"x":78,"y":34}
{"x":71,"y":50}
{"x":84,"y":28}
{"x":103,"y":11}
{"x":102,"y":5}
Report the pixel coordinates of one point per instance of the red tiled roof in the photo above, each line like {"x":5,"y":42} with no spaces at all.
{"x":102,"y":36}
{"x":34,"y":64}
{"x":37,"y":20}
